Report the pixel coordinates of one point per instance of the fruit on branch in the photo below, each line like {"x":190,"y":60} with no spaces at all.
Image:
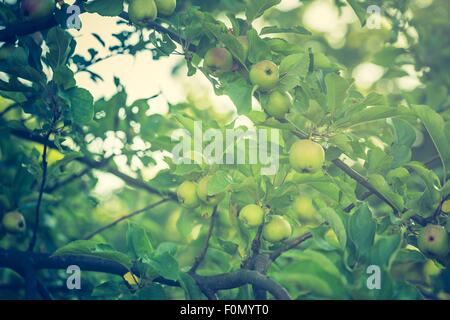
{"x":142,"y":11}
{"x":265,"y":75}
{"x":434,"y":239}
{"x":37,"y":9}
{"x":218,"y":60}
{"x":166,"y":7}
{"x":277,"y":229}
{"x":446,"y":206}
{"x":14,"y":222}
{"x":202,"y":192}
{"x":243,"y":40}
{"x":279,"y":104}
{"x":252,"y":215}
{"x":187,"y":194}
{"x":305,"y":211}
{"x":306,"y":156}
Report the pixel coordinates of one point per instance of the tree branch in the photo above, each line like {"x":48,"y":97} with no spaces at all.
{"x":198,"y":261}
{"x":125,"y":217}
{"x":240,"y":278}
{"x":294,"y":243}
{"x":68,"y":180}
{"x":96,"y":165}
{"x":41,"y":193}
{"x":17,"y":260}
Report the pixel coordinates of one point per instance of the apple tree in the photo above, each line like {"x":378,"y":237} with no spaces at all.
{"x":356,"y":208}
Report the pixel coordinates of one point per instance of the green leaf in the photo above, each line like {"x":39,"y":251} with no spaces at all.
{"x":191,"y":289}
{"x":96,"y":249}
{"x":435,"y":126}
{"x":109,"y":8}
{"x":219,"y":182}
{"x":359,"y":10}
{"x":292,"y":69}
{"x":81,"y":105}
{"x":60,"y":44}
{"x":336,"y":223}
{"x":165,"y":265}
{"x":256,"y":8}
{"x":361,"y":230}
{"x":275,"y":29}
{"x":231,"y":42}
{"x":380,"y":184}
{"x":258,"y":49}
{"x":371,"y":114}
{"x":138,"y":241}
{"x":154,"y":291}
{"x":384,"y":250}
{"x":336,"y":91}
{"x":240,"y":92}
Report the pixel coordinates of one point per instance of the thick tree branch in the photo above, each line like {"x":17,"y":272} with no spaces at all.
{"x":243,"y":277}
{"x":198,"y":261}
{"x":17,"y":260}
{"x":125,"y":217}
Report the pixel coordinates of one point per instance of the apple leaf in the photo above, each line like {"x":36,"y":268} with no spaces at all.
{"x":109,"y":8}
{"x":256,"y":8}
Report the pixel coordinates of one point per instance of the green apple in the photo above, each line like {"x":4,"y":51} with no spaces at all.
{"x":14,"y":222}
{"x":277,"y":229}
{"x":187,"y":194}
{"x":166,"y":7}
{"x":202,"y":192}
{"x":218,"y":60}
{"x":446,"y":206}
{"x":252,"y":215}
{"x":37,"y":9}
{"x":279,"y":104}
{"x":306,"y":156}
{"x":142,"y":11}
{"x":434,"y":239}
{"x":305,"y":211}
{"x":265,"y":75}
{"x":243,"y":40}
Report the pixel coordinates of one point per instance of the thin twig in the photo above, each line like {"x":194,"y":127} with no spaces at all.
{"x":67,"y":181}
{"x":41,"y":193}
{"x":125,"y":217}
{"x":198,"y":261}
{"x":294,"y":243}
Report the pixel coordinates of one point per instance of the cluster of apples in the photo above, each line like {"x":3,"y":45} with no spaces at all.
{"x":264,"y":75}
{"x":12,"y":222}
{"x":142,"y":11}
{"x":191,"y":194}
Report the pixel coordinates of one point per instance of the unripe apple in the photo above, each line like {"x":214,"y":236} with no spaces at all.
{"x":277,"y":229}
{"x":187,"y":194}
{"x":306,"y":156}
{"x":142,"y":11}
{"x":218,"y":60}
{"x":166,"y":7}
{"x":37,"y":9}
{"x":446,"y":206}
{"x":202,"y":192}
{"x":14,"y":222}
{"x":265,"y":75}
{"x":243,"y":40}
{"x":279,"y":104}
{"x":252,"y":215}
{"x":305,"y":211}
{"x":434,"y":239}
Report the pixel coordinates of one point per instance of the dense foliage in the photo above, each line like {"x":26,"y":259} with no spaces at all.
{"x":361,"y":191}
